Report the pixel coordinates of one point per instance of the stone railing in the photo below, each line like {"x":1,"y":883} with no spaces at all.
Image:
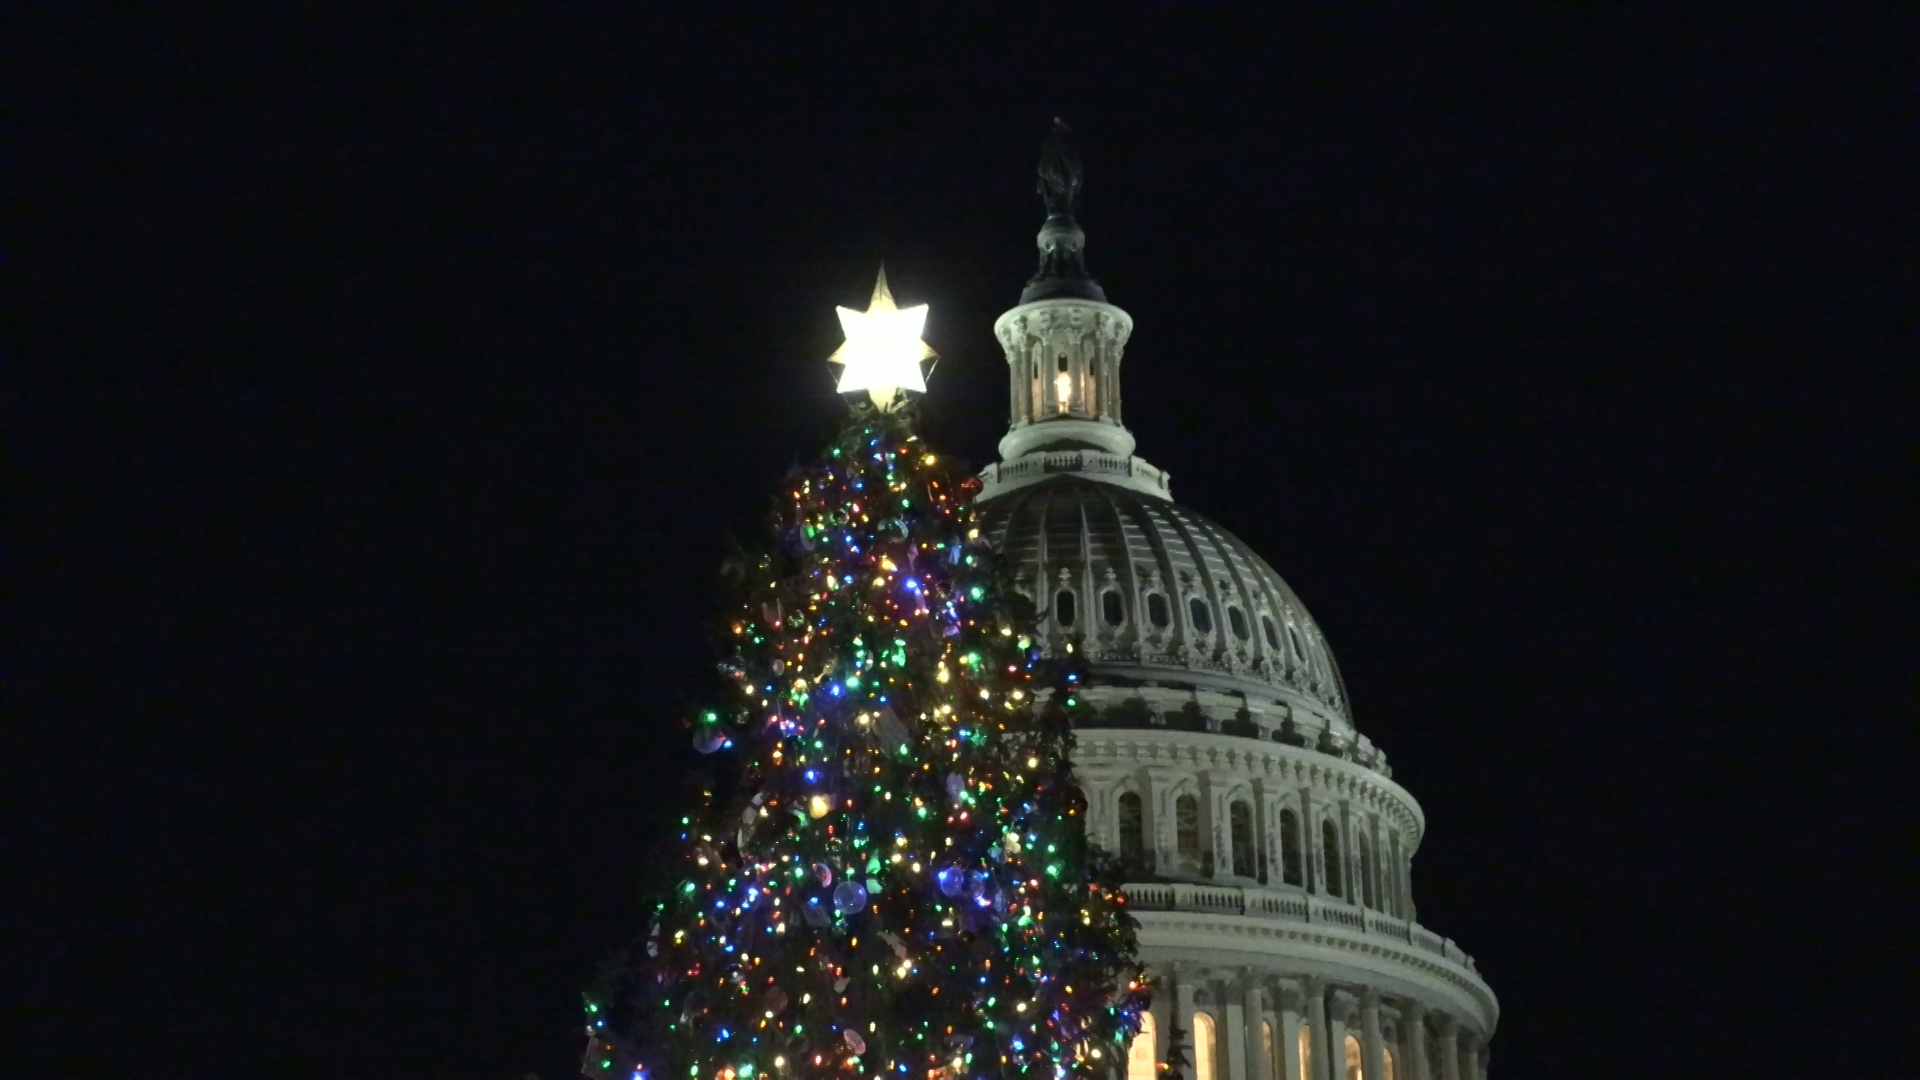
{"x":1295,"y":906}
{"x":1140,"y":475}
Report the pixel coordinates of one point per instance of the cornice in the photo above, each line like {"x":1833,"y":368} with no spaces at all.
{"x":1273,"y":763}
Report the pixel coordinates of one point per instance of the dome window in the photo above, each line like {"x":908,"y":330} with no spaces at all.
{"x":1186,"y":832}
{"x":1133,"y":833}
{"x":1266,"y":627}
{"x":1240,"y":817}
{"x":1157,"y":612}
{"x":1202,"y":615}
{"x":1238,"y":620}
{"x":1111,"y":609}
{"x":1290,"y":849}
{"x":1299,"y":650}
{"x":1063,"y":612}
{"x":1367,"y":896}
{"x":1203,"y":1047}
{"x":1330,"y":854}
{"x":1140,"y":1063}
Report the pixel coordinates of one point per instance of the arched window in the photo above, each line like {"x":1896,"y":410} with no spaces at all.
{"x":1299,"y":650}
{"x":1203,"y":1047}
{"x":1140,"y":1063}
{"x":1157,"y":612}
{"x":1305,"y":1041}
{"x":1133,"y":833}
{"x":1387,"y":1073}
{"x":1354,"y":1071}
{"x":1290,"y":849}
{"x":1238,"y":620}
{"x":1266,"y":1047}
{"x":1240,"y":820}
{"x":1063,"y":607}
{"x":1266,"y":627}
{"x":1202,"y":615}
{"x":1111,"y":609}
{"x":1366,"y":874}
{"x":1330,"y":853}
{"x":1186,"y":832}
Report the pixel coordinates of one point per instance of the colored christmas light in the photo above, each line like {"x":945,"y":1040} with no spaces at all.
{"x":898,"y":880}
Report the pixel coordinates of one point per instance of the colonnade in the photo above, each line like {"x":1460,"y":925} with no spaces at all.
{"x":1251,"y":1025}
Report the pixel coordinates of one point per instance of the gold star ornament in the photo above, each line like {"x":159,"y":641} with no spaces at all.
{"x":883,"y":350}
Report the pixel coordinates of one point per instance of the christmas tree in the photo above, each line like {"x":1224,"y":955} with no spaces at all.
{"x":895,"y":879}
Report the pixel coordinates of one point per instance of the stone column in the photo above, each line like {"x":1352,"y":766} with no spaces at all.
{"x":1322,"y":1034}
{"x":1372,"y":1046}
{"x":1309,"y":844}
{"x":1253,"y":1011}
{"x":1449,"y":1049}
{"x":1289,"y":1033}
{"x":1234,"y":1026}
{"x":1339,"y":1011}
{"x":1415,"y":1042}
{"x":1183,"y":1016}
{"x":1470,"y":1058}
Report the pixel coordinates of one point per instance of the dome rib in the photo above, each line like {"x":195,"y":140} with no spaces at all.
{"x":1097,"y":533}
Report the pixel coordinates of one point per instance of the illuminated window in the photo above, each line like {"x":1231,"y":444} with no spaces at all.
{"x":1203,"y":1047}
{"x":1266,"y":1046}
{"x":1366,"y":874}
{"x":1305,"y":1041}
{"x":1330,"y":852}
{"x":1202,"y":615}
{"x":1063,"y":607}
{"x":1240,"y":818}
{"x":1387,"y":1074}
{"x":1238,"y":620}
{"x":1186,"y":831}
{"x":1266,"y":627}
{"x":1140,"y":1064}
{"x":1110,"y":608}
{"x":1290,"y":849}
{"x":1157,"y":612}
{"x":1353,"y":1059}
{"x":1133,"y":834}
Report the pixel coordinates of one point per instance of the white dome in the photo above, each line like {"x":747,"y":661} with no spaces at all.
{"x":1148,"y":590}
{"x":1266,"y":850}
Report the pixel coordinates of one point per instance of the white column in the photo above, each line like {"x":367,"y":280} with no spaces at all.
{"x":1234,"y":1024}
{"x":1415,"y":1042}
{"x":1372,"y":1047}
{"x":1322,"y":1033}
{"x":1449,"y":1049}
{"x":1339,"y":1005}
{"x":1253,"y":1010}
{"x":1183,"y":1017}
{"x":1289,"y":1033}
{"x":1310,"y":843}
{"x":1470,"y":1058}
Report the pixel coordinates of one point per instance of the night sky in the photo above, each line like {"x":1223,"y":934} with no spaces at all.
{"x":407,"y":372}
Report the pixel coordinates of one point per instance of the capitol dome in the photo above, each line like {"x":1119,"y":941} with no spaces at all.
{"x":1150,"y":591}
{"x":1266,"y":849}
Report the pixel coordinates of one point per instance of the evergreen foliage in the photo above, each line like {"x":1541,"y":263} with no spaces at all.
{"x":897,"y":879}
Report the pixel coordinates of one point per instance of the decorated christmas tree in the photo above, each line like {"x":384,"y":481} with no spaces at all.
{"x":895,"y":878}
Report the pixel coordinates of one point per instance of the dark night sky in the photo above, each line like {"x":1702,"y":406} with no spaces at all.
{"x":409,"y":369}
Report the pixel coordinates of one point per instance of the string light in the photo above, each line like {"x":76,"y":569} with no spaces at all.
{"x":875,"y":891}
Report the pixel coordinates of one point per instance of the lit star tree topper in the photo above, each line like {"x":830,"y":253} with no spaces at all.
{"x":883,"y":351}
